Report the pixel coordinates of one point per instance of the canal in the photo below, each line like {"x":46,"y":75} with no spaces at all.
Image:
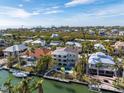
{"x":50,"y":86}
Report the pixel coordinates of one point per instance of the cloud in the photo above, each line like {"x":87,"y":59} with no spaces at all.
{"x":53,"y":12}
{"x":27,"y":0}
{"x":16,"y":12}
{"x":20,"y":5}
{"x":49,"y":10}
{"x":77,"y":2}
{"x":114,"y":10}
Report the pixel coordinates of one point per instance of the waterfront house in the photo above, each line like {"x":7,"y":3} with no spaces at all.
{"x":30,"y":57}
{"x":54,"y":35}
{"x":119,"y":47}
{"x":65,"y":56}
{"x":102,"y":64}
{"x":38,"y":52}
{"x":74,"y":46}
{"x":39,"y":42}
{"x":14,"y":50}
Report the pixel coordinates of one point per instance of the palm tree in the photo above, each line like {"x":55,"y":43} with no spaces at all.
{"x":84,"y":63}
{"x":10,"y":61}
{"x":25,"y":86}
{"x":122,"y":66}
{"x":123,"y":69}
{"x":18,"y":88}
{"x":46,"y":60}
{"x":9,"y":85}
{"x":37,"y":85}
{"x":116,"y":66}
{"x":43,"y":64}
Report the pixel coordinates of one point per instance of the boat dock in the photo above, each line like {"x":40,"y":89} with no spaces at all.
{"x":103,"y":87}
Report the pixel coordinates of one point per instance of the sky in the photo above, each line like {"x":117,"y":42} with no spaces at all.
{"x":15,"y":13}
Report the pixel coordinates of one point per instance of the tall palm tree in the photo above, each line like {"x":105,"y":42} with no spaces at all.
{"x":122,"y":66}
{"x":9,"y":85}
{"x":25,"y":85}
{"x":123,"y":71}
{"x":116,"y":66}
{"x":37,"y":85}
{"x":18,"y":88}
{"x":46,"y":60}
{"x":43,"y":63}
{"x":84,"y":63}
{"x":10,"y":61}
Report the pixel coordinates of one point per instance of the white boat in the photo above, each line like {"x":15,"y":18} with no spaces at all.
{"x":94,"y":88}
{"x":13,"y":70}
{"x":1,"y":68}
{"x":20,"y":74}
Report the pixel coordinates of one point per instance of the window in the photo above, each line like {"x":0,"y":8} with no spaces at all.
{"x":72,"y":60}
{"x":64,"y":60}
{"x":59,"y":55}
{"x":54,"y":55}
{"x":64,"y":64}
{"x":59,"y":64}
{"x":59,"y":59}
{"x":64,"y":56}
{"x":54,"y":59}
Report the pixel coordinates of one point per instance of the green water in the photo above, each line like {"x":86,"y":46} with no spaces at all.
{"x":51,"y":86}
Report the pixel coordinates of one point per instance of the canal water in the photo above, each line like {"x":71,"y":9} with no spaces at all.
{"x":50,"y":86}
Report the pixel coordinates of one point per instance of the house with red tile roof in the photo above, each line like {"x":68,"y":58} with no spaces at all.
{"x":37,"y":53}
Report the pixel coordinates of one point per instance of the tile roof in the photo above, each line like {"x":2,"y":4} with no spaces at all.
{"x":39,"y":52}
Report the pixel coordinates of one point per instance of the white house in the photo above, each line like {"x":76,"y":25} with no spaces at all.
{"x":65,"y":56}
{"x":9,"y":35}
{"x":39,"y":42}
{"x":14,"y":50}
{"x":121,"y":33}
{"x":106,"y":67}
{"x":114,"y":32}
{"x":54,"y":35}
{"x":91,"y":32}
{"x":55,"y":43}
{"x":74,"y":45}
{"x":28,"y":41}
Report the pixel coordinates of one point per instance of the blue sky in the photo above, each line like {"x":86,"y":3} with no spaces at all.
{"x":14,"y":13}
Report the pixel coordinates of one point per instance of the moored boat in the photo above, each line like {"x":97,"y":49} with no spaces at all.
{"x":20,"y":74}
